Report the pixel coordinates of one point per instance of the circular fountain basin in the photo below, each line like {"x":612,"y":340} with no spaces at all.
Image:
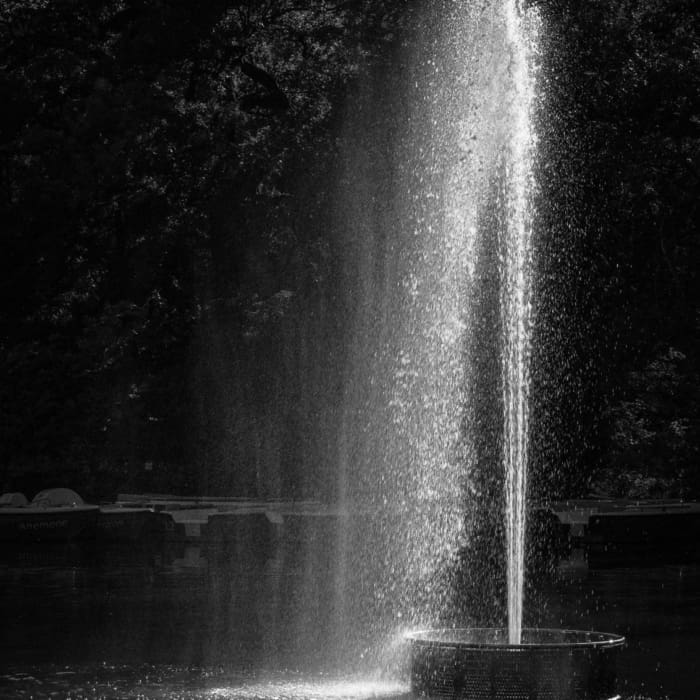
{"x":479,"y":664}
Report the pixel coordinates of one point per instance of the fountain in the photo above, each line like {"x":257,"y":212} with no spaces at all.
{"x":427,"y":384}
{"x":513,"y":663}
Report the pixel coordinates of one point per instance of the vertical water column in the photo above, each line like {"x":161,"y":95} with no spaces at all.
{"x":516,"y":304}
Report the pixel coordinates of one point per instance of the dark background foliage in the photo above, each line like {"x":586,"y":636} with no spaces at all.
{"x":619,"y":318}
{"x":147,"y":152}
{"x":164,"y":177}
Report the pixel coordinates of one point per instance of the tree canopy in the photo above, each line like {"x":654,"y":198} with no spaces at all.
{"x":148,"y":151}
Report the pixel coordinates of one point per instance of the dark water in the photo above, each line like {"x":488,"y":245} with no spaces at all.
{"x":656,"y":608}
{"x":129,"y":623}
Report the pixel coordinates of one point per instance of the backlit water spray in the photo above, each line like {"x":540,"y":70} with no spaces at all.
{"x":435,"y":221}
{"x":497,"y":47}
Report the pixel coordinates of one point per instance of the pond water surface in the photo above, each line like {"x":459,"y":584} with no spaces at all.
{"x":187,"y":623}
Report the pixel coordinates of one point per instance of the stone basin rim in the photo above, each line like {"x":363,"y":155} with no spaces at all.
{"x":577,"y":639}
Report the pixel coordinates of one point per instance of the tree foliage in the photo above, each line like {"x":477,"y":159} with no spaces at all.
{"x":622,"y":133}
{"x":147,"y":153}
